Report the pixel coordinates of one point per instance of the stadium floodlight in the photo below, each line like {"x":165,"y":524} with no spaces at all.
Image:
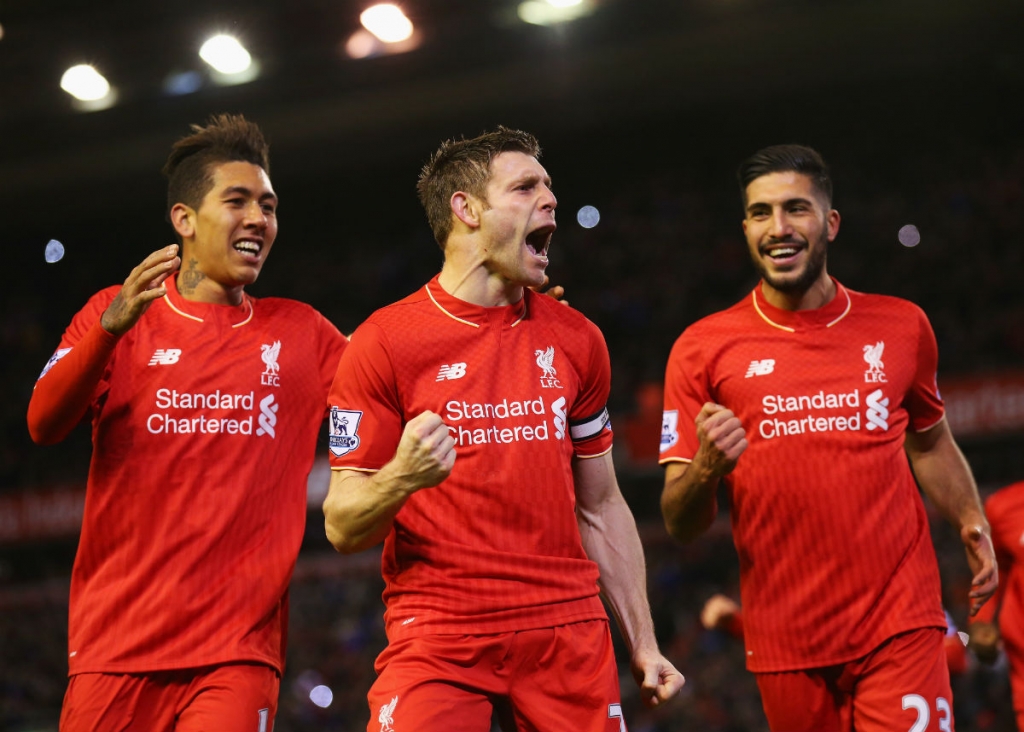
{"x":85,"y":83}
{"x":552,"y":12}
{"x":225,"y":54}
{"x":387,"y":22}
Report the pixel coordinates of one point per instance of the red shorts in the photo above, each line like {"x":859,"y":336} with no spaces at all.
{"x":547,"y":679}
{"x":901,"y":686}
{"x":229,"y":698}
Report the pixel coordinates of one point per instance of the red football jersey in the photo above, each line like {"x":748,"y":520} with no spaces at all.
{"x":833,"y":541}
{"x":523,"y":389}
{"x":1005,"y":511}
{"x":205,"y":425}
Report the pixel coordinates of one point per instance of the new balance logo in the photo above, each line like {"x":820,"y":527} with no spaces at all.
{"x":455,"y":371}
{"x":165,"y":356}
{"x":760,"y":368}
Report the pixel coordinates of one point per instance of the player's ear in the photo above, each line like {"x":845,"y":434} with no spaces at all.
{"x":183,"y":219}
{"x":467,"y":208}
{"x":832,"y":222}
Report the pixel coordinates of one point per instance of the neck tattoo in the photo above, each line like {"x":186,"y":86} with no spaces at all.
{"x":190,"y":278}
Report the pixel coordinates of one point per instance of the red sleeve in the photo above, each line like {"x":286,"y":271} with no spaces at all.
{"x":365,"y":415}
{"x":923,"y":403}
{"x":73,"y":378}
{"x":686,"y":391}
{"x":589,"y":425}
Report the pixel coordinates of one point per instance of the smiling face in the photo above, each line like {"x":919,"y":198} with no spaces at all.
{"x":228,"y":238}
{"x":788,"y":226}
{"x":517,"y":220}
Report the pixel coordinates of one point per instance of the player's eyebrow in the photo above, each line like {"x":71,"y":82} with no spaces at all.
{"x":532,"y":178}
{"x":244,"y":191}
{"x":756,"y":206}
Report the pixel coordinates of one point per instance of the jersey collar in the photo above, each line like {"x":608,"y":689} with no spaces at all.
{"x":475,"y":315}
{"x":799,"y":320}
{"x":234,"y":316}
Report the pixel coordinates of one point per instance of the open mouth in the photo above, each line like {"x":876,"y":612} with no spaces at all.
{"x":538,"y":240}
{"x":246,"y":246}
{"x":781,"y":252}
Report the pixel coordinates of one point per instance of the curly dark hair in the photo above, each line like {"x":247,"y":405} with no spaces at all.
{"x":226,"y":138}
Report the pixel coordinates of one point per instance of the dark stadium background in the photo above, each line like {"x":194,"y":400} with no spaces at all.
{"x":644,"y":109}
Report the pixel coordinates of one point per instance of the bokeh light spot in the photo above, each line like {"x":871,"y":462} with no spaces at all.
{"x":54,"y":251}
{"x":588,"y":217}
{"x":909,"y":236}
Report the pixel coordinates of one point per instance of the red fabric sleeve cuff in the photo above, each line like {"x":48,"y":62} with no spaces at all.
{"x":63,"y":394}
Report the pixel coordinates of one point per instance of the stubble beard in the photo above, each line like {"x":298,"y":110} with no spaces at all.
{"x":816,"y":256}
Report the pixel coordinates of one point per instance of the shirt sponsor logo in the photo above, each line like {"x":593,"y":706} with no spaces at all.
{"x":57,"y":356}
{"x":549,"y":375}
{"x":269,"y":354}
{"x":344,"y":424}
{"x":760,"y":368}
{"x":268,"y":416}
{"x":670,"y":428}
{"x":873,"y":355}
{"x":165,"y":356}
{"x":558,"y":409}
{"x":517,"y":411}
{"x":386,"y":715}
{"x":878,"y":412}
{"x":874,"y":417}
{"x":207,"y":421}
{"x":450,"y":372}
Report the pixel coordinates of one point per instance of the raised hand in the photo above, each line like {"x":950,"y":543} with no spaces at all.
{"x":722,"y":438}
{"x":143,"y":286}
{"x":425,"y":455}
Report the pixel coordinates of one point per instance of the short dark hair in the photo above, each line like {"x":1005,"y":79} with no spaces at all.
{"x":226,"y":138}
{"x":783,"y":159}
{"x":465,"y":165}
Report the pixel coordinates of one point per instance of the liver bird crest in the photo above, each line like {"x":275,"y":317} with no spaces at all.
{"x":269,"y":356}
{"x":544,"y":360}
{"x":873,"y":355}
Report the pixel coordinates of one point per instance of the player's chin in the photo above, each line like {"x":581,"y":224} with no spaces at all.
{"x":534,"y":276}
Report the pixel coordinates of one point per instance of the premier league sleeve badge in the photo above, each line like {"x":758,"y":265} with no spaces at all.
{"x":343,"y":429}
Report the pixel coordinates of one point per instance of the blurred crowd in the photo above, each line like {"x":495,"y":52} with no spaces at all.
{"x":336,"y":631}
{"x":666,"y":251}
